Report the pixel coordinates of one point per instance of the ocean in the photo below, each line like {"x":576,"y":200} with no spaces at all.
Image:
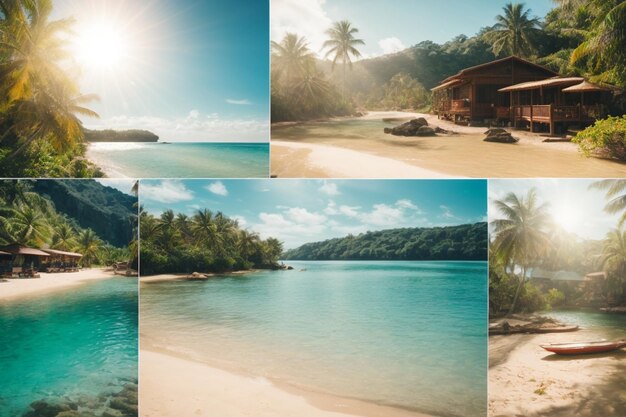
{"x":69,"y":346}
{"x":181,"y":159}
{"x":405,"y":334}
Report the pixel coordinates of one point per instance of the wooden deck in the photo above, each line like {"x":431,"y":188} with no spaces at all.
{"x":551,"y":114}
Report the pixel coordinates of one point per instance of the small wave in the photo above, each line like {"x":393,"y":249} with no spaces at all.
{"x":116,"y":146}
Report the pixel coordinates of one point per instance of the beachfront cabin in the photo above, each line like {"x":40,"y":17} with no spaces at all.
{"x":24,"y":261}
{"x":557,"y":103}
{"x":475,"y":93}
{"x":61,"y":261}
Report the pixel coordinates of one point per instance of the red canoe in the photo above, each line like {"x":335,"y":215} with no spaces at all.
{"x":581,"y":348}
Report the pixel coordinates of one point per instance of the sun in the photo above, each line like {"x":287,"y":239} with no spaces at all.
{"x":102,"y":46}
{"x":567,"y":216}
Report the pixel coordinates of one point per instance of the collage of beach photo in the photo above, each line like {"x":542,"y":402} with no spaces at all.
{"x":312,"y":208}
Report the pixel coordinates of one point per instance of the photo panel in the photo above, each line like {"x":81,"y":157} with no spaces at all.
{"x":313,"y":297}
{"x":359,"y":90}
{"x":69,"y":298}
{"x":122,"y":88}
{"x":556,"y":297}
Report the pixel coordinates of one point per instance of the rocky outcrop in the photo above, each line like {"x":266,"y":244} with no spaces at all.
{"x":110,"y":135}
{"x":416,"y":127}
{"x":499,"y":135}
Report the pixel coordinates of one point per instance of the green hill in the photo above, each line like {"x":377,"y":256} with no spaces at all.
{"x":462,"y":243}
{"x":107,"y":211}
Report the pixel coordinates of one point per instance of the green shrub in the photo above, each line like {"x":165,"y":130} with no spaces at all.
{"x":606,"y":138}
{"x":555,"y":297}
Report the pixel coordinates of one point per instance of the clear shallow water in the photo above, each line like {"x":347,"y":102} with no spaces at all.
{"x":181,"y":160}
{"x":72,"y":343}
{"x":409,"y":334}
{"x":593,"y":324}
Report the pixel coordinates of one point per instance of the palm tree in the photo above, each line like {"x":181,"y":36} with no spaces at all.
{"x":614,"y":260}
{"x":604,"y":45}
{"x":514,"y":31}
{"x":616,"y":194}
{"x":342,"y":46}
{"x":89,"y":245}
{"x":520,"y":238}
{"x":246,"y":243}
{"x":28,"y":226}
{"x":63,"y":237}
{"x":292,"y":56}
{"x":39,"y":100}
{"x":205,"y":230}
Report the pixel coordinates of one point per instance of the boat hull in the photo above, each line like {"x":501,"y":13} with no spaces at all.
{"x":584,"y":348}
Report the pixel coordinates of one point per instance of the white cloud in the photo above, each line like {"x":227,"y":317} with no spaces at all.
{"x":243,"y":102}
{"x":274,"y":220}
{"x":166,"y":191}
{"x":391,"y":45}
{"x":240,"y":219}
{"x":406,"y":204}
{"x":303,"y":216}
{"x":305,"y":17}
{"x":447,"y":213}
{"x":194,"y":127}
{"x":349,"y":211}
{"x":329,"y":188}
{"x":383,"y":215}
{"x":331,"y":208}
{"x":218,"y":188}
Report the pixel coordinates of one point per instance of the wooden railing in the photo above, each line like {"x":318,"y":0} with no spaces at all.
{"x":460,"y":106}
{"x":551,"y":112}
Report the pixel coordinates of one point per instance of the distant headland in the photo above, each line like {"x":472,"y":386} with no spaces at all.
{"x":109,"y":135}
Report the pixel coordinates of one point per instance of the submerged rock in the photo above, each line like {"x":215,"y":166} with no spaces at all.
{"x":411,"y":128}
{"x":495,"y":131}
{"x":426,"y":131}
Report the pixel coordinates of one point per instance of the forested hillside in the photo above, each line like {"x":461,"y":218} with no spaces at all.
{"x":465,"y":242}
{"x":107,"y":211}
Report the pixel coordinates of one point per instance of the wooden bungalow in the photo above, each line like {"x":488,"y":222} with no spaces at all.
{"x":475,"y":93}
{"x":557,"y":102}
{"x":24,"y":261}
{"x":61,"y":261}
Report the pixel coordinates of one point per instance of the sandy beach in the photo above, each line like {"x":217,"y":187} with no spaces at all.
{"x":320,"y":150}
{"x":174,"y":277}
{"x":173,"y":386}
{"x":525,"y":380}
{"x":20,"y":287}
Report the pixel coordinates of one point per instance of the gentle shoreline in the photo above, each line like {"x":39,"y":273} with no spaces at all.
{"x":183,"y":276}
{"x":351,"y":153}
{"x":526,"y":380}
{"x":21,"y":287}
{"x":172,"y":385}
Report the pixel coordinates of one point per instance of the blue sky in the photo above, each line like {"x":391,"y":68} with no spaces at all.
{"x":390,"y":26}
{"x":300,"y":211}
{"x":192,"y":70}
{"x":572,"y":204}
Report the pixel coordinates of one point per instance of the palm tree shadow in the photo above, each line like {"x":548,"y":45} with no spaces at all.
{"x":605,"y":399}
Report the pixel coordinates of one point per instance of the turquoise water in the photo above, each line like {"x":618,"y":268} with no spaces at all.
{"x":68,"y":344}
{"x":405,"y":334}
{"x":593,"y":324}
{"x":181,"y":160}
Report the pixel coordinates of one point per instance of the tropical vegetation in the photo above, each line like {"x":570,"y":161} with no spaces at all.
{"x":29,"y":218}
{"x":460,"y":243}
{"x":575,"y":38}
{"x":204,"y":242}
{"x":41,"y":134}
{"x":525,"y":239}
{"x":606,"y":138}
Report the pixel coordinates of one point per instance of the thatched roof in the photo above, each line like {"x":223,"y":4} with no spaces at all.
{"x":550,"y":82}
{"x":584,"y":87}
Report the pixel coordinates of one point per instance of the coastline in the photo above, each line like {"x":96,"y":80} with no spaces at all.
{"x":182,"y":276}
{"x":210,"y":391}
{"x":23,"y":287}
{"x":108,"y":170}
{"x":370,"y":154}
{"x":526,"y":380}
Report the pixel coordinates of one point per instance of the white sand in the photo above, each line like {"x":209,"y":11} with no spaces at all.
{"x":20,"y":287}
{"x":338,"y":162}
{"x":170,"y":386}
{"x":532,"y":382}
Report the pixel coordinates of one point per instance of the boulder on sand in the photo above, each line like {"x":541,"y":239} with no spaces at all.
{"x":502,"y":137}
{"x":410,"y":128}
{"x":495,"y":131}
{"x":426,"y":131}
